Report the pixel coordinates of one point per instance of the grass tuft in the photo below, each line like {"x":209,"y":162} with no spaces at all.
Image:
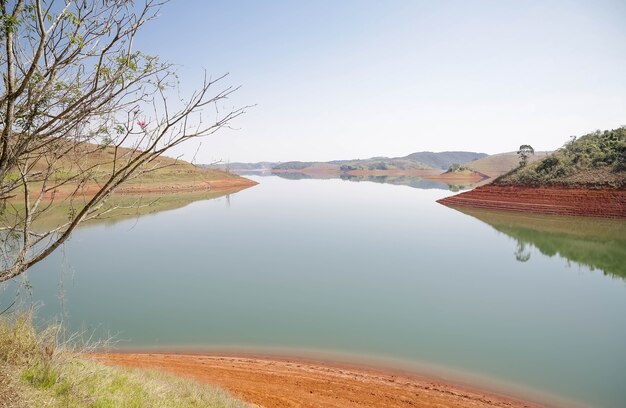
{"x":37,"y":371}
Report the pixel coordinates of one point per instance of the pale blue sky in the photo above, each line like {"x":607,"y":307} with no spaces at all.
{"x":355,"y":79}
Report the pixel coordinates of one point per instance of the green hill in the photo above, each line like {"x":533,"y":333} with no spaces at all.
{"x":594,"y":160}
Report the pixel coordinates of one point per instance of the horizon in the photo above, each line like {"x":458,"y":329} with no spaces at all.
{"x":364,"y":79}
{"x":373,"y":157}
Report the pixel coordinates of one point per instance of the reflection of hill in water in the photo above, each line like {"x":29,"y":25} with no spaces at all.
{"x":596,"y":243}
{"x":122,"y":207}
{"x":411,"y":181}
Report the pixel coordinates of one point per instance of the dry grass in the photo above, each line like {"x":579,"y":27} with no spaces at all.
{"x":37,"y":371}
{"x":100,"y":161}
{"x":498,"y":164}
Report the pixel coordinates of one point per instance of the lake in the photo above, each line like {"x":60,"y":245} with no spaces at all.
{"x":360,"y":271}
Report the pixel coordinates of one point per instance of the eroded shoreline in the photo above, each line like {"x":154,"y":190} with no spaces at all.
{"x":603,"y":203}
{"x":290,"y":382}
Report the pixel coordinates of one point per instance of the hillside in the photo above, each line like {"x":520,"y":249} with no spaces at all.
{"x":499,"y":164}
{"x":165,"y":174}
{"x":594,"y":160}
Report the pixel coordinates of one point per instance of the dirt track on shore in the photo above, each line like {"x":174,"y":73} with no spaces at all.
{"x":282,"y":382}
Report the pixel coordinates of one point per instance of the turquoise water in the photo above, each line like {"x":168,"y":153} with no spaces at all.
{"x":359,"y":270}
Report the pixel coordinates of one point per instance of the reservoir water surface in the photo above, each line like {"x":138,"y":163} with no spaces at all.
{"x":359,"y":270}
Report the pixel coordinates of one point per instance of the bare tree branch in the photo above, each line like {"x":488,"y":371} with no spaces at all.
{"x":73,"y":86}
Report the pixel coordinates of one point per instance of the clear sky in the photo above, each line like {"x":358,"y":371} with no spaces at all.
{"x":355,"y":79}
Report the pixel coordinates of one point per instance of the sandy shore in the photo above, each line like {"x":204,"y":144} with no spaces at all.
{"x":285,"y":382}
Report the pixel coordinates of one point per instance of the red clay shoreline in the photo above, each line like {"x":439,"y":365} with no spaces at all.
{"x":588,"y":202}
{"x":280,"y":381}
{"x":217,"y":185}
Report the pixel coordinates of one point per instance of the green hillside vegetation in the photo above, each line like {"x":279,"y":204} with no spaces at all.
{"x":457,"y":168}
{"x":594,"y":160}
{"x":35,"y":371}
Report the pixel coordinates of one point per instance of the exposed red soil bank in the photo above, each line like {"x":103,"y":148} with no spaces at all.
{"x":459,"y":178}
{"x":89,"y":189}
{"x":297,"y":383}
{"x":199,"y":185}
{"x":606,"y":203}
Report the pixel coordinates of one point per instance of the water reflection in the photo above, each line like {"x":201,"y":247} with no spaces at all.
{"x":596,"y":243}
{"x":363,"y":269}
{"x":398,"y":180}
{"x":119,"y":207}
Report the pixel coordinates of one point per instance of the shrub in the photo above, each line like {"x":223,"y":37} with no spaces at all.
{"x":548,"y":164}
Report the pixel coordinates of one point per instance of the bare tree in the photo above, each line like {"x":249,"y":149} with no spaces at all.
{"x":72,"y":84}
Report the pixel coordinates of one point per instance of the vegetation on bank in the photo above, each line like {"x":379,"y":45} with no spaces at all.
{"x":37,"y":371}
{"x":457,"y":168}
{"x":594,"y":160}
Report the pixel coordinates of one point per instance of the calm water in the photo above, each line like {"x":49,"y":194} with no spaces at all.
{"x":361,"y":269}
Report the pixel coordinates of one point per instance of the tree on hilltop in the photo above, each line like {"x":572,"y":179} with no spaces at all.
{"x":524,"y":152}
{"x":73,"y":84}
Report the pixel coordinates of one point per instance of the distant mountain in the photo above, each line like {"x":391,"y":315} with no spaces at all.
{"x":373,"y":164}
{"x":414,"y":161}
